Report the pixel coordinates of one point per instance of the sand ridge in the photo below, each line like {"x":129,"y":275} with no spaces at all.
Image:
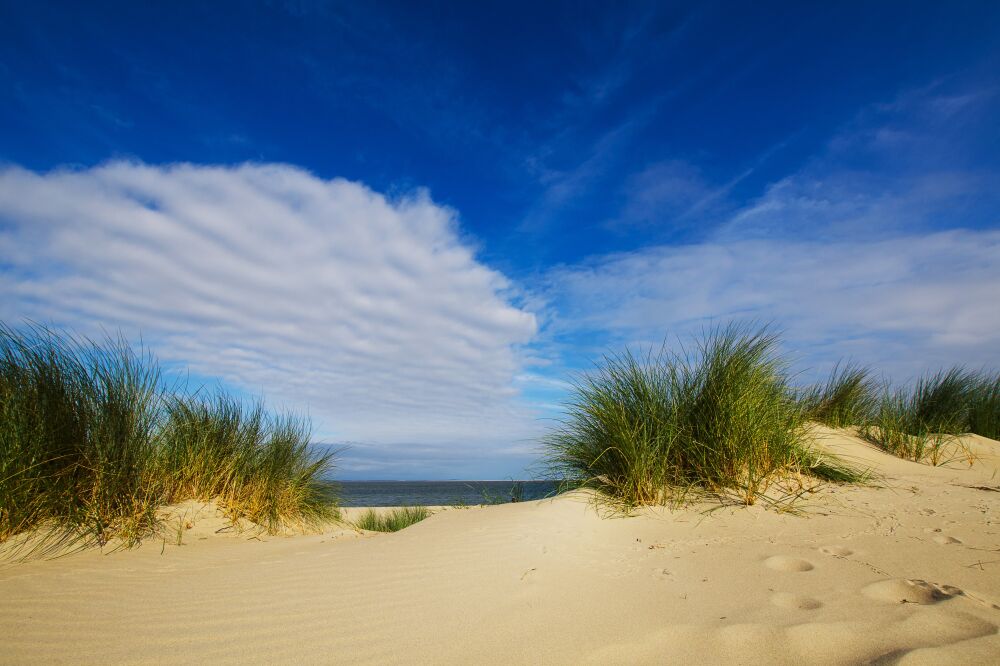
{"x":907,"y":572}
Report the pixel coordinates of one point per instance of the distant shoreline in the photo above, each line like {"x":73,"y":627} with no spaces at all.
{"x":385,"y":493}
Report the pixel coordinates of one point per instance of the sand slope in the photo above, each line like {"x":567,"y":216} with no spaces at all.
{"x":906,"y":573}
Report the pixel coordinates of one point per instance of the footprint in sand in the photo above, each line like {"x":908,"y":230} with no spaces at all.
{"x":945,"y":540}
{"x":795,"y":601}
{"x":909,"y":591}
{"x":786,"y":563}
{"x":836,"y":551}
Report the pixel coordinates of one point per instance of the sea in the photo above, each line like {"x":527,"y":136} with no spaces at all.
{"x":441,"y":493}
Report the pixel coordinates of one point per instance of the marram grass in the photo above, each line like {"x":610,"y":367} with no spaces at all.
{"x":723,"y":419}
{"x":92,"y":444}
{"x":922,"y":423}
{"x":392,"y":520}
{"x":983,"y":405}
{"x":848,"y":398}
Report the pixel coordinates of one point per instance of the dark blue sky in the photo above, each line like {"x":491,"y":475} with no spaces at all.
{"x":528,"y":118}
{"x":597,"y":174}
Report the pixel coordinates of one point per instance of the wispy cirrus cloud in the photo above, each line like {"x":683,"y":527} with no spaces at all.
{"x":914,"y":163}
{"x":372,"y":315}
{"x":881,"y":248}
{"x":663,"y":192}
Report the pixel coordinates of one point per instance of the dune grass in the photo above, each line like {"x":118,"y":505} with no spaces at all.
{"x":258,"y":466}
{"x":849,"y":397}
{"x":723,"y":419}
{"x":983,"y":405}
{"x":92,"y":443}
{"x":393,"y":520}
{"x":922,"y":423}
{"x":515,"y":494}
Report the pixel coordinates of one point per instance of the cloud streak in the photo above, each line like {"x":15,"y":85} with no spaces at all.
{"x":371,"y":314}
{"x":882,"y":250}
{"x":904,"y":303}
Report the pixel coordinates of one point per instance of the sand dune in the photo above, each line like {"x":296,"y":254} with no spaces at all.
{"x":908,"y":572}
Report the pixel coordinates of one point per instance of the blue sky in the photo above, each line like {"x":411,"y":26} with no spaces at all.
{"x":414,"y":223}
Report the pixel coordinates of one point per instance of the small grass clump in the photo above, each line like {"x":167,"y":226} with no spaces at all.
{"x":393,"y":520}
{"x":515,"y":494}
{"x":983,"y":405}
{"x":848,"y":398}
{"x":257,"y":465}
{"x":723,"y":420}
{"x":922,"y":423}
{"x":940,"y":401}
{"x":92,"y":444}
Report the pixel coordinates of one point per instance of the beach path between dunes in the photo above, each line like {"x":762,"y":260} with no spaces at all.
{"x":906,"y":572}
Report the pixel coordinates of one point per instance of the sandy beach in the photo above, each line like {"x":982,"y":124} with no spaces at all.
{"x":905,"y":572}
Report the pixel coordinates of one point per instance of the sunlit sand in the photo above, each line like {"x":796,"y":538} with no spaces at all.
{"x":907,"y":571}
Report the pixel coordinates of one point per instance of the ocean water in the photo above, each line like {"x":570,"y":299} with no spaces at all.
{"x":441,"y":493}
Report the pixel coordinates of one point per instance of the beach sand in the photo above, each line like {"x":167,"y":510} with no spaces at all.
{"x":907,"y":573}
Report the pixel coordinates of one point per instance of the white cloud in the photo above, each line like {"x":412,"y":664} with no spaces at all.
{"x":904,"y":303}
{"x":371,"y":314}
{"x":883,"y":247}
{"x":913,"y":165}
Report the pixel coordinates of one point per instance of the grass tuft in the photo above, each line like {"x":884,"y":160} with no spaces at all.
{"x":922,"y":423}
{"x":92,"y":444}
{"x":391,"y":521}
{"x":939,"y":402}
{"x":648,"y":430}
{"x":258,"y":466}
{"x":984,"y":405}
{"x":848,"y":398}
